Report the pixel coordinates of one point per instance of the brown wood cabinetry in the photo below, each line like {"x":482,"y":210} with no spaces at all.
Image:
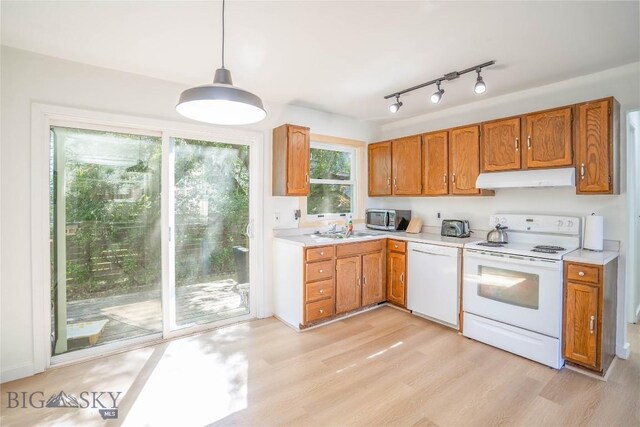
{"x":590,"y":314}
{"x":348,"y":280}
{"x":595,"y":147}
{"x":291,"y":157}
{"x":435,"y":163}
{"x":501,"y":145}
{"x":319,"y":286}
{"x":406,"y":166}
{"x":373,"y":278}
{"x":549,"y":139}
{"x":380,"y":169}
{"x":396,"y":273}
{"x":464,"y":160}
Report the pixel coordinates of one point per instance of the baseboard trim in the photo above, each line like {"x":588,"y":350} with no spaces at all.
{"x":623,"y":351}
{"x":16,"y":372}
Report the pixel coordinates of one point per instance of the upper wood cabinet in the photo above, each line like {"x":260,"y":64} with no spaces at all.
{"x":435,"y":163}
{"x":406,"y":166}
{"x":380,"y":169}
{"x":464,"y":160}
{"x":291,"y":157}
{"x":501,"y":145}
{"x":549,"y":139}
{"x":595,"y":148}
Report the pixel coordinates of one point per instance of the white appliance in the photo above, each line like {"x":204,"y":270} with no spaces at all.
{"x":513,"y":291}
{"x":434,"y":282}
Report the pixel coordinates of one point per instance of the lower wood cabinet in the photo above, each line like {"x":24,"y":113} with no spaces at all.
{"x":397,"y":273}
{"x":590,"y":314}
{"x":360,"y":279}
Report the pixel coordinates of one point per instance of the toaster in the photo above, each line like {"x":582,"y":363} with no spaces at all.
{"x":455,"y":228}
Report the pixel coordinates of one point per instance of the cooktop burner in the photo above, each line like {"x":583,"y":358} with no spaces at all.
{"x":544,"y":251}
{"x":548,"y":248}
{"x":491,"y":244}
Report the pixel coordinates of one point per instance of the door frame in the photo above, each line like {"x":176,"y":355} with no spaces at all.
{"x":42,"y":117}
{"x":633,"y":213}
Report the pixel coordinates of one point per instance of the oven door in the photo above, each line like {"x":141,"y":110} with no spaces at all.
{"x":519,"y":291}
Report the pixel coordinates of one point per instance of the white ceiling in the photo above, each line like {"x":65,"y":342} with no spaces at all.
{"x":340,"y":57}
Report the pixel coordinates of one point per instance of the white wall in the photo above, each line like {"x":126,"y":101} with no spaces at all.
{"x":623,"y":83}
{"x":28,"y":78}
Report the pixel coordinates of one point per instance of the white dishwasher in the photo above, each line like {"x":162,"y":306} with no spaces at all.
{"x":433,"y":288}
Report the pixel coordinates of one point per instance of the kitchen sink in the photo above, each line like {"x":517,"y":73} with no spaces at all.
{"x":341,"y":235}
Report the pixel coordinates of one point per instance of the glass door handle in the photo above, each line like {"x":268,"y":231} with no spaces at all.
{"x":248,"y":231}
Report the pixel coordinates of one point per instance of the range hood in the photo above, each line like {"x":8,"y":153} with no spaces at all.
{"x":565,"y":177}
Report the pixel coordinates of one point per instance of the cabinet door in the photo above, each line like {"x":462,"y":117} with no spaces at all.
{"x":464,"y":163}
{"x":298,"y":154}
{"x":380,"y":169}
{"x":549,"y":139}
{"x":581,"y":324}
{"x":435,"y":163}
{"x":406,"y":166}
{"x":593,"y":147}
{"x":373,"y":272}
{"x":348,"y":291}
{"x":396,"y":278}
{"x":501,"y":145}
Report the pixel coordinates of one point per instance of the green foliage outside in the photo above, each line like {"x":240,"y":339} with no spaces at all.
{"x":329,"y":198}
{"x":113,"y":217}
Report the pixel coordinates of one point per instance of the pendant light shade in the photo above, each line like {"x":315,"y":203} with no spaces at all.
{"x":221,"y":103}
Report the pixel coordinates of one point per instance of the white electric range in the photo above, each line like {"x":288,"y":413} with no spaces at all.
{"x":513,"y":291}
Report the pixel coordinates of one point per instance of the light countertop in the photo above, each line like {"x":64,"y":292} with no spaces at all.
{"x":307,"y":240}
{"x":591,"y":257}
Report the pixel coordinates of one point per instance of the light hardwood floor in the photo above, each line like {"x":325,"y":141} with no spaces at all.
{"x":383,"y":367}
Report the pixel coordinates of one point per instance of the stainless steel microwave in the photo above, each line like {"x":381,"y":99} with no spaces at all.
{"x":387,"y":219}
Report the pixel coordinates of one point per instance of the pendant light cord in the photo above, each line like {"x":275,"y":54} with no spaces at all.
{"x":223,"y":1}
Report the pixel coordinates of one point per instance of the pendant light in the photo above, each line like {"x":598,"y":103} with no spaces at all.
{"x":480,"y":87}
{"x":221,"y":103}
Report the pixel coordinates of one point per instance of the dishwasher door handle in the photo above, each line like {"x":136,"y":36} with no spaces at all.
{"x":432,"y":253}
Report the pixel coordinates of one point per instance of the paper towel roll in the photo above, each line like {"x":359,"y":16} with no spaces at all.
{"x":593,"y":238}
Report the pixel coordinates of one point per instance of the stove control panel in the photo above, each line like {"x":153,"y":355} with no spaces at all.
{"x":537,"y":223}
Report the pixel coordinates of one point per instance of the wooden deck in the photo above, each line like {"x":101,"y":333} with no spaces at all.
{"x":140,"y":313}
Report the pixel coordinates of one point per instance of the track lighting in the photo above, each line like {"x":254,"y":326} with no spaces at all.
{"x":479,"y":88}
{"x":437,"y":95}
{"x":396,"y":106}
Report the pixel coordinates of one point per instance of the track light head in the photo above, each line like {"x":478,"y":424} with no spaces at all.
{"x":395,"y":106}
{"x":437,"y":95}
{"x":480,"y":87}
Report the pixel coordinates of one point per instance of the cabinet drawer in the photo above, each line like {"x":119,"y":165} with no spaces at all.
{"x":583,"y":273}
{"x":318,"y":290}
{"x":316,"y":254}
{"x":319,"y":270}
{"x":359,"y":248}
{"x":318,"y":310}
{"x":397,"y":245}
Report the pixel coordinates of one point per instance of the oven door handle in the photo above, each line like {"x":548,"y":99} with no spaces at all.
{"x":547,"y":264}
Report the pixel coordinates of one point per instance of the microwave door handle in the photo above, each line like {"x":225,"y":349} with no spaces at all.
{"x":386,"y":219}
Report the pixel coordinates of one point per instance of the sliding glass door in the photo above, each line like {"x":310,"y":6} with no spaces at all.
{"x":211,"y":243}
{"x":107,"y":210}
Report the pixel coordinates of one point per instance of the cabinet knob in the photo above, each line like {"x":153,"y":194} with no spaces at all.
{"x":581,"y":273}
{"x":582,"y":171}
{"x":321,"y":311}
{"x":592,"y":324}
{"x":395,"y":246}
{"x":321,"y":253}
{"x":321,"y":271}
{"x":529,"y":142}
{"x":517,"y":144}
{"x":453,"y":178}
{"x":322,"y":291}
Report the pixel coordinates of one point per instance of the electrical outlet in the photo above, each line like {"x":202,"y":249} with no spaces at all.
{"x":438,"y":215}
{"x":297,"y":214}
{"x":277,"y":217}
